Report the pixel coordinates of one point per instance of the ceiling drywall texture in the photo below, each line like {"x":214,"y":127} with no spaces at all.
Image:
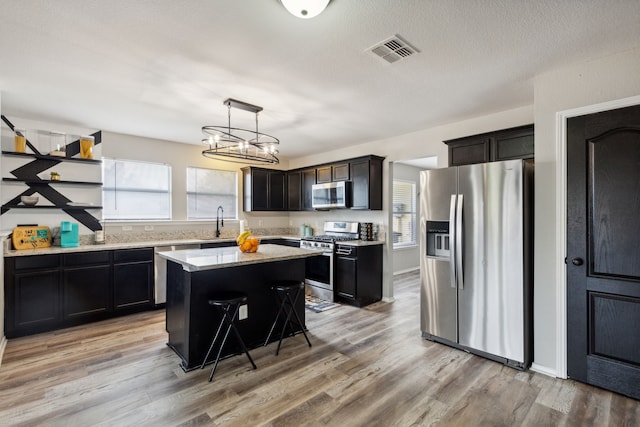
{"x":162,"y":68}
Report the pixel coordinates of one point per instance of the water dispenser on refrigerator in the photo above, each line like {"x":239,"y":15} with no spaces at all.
{"x":438,"y":239}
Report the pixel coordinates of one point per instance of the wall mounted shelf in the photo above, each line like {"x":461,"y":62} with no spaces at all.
{"x":65,"y":207}
{"x":48,"y":182}
{"x":59,"y":158}
{"x":38,"y":163}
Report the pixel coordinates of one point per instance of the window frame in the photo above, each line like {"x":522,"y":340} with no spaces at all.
{"x":188,"y":193}
{"x":106,"y":188}
{"x":414,"y":214}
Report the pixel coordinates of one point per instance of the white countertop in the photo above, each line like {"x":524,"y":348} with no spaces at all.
{"x":155,"y":243}
{"x":125,"y":245}
{"x":207,"y":259}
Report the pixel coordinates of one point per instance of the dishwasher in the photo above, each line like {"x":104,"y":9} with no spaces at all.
{"x":160,"y":266}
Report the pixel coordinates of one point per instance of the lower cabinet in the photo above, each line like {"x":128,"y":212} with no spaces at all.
{"x":86,"y":291}
{"x":358,"y":274}
{"x":86,"y":284}
{"x":36,"y":300}
{"x":48,"y":292}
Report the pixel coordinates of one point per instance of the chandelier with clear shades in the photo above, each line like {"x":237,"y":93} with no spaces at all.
{"x":239,"y":145}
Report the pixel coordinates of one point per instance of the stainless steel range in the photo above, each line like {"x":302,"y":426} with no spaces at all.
{"x":319,"y":270}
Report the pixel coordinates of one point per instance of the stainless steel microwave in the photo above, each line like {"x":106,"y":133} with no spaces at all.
{"x":331,"y":195}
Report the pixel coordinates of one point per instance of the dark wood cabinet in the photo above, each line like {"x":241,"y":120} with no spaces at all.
{"x":299,"y":184}
{"x":346,"y":277}
{"x":294,"y":191}
{"x":308,"y":180}
{"x":276,"y":190}
{"x":366,"y":179}
{"x":513,"y":144}
{"x":48,"y":292}
{"x":340,"y":172}
{"x":132,"y":278}
{"x":507,"y":144}
{"x":358,"y":274}
{"x":323,"y":174}
{"x":264,"y":189}
{"x":35,"y":300}
{"x":86,"y":284}
{"x":332,"y":173}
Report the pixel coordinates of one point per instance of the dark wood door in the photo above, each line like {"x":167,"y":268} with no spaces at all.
{"x":259,"y":190}
{"x":346,"y":276}
{"x":294,"y":191}
{"x":308,"y":179}
{"x":603,"y":250}
{"x":132,"y":285}
{"x":277,"y":191}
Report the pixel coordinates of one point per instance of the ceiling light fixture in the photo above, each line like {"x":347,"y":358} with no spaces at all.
{"x":240,"y":145}
{"x":305,"y":8}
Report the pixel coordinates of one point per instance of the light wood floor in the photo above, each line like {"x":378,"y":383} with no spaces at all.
{"x":367,"y":367}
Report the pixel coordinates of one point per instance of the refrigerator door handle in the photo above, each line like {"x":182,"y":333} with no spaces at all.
{"x":458,"y":245}
{"x":452,"y":239}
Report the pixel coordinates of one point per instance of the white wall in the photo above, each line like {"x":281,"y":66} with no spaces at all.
{"x":605,"y":79}
{"x":407,"y":258}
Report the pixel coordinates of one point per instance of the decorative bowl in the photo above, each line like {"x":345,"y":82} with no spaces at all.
{"x":29,"y":200}
{"x":249,"y":245}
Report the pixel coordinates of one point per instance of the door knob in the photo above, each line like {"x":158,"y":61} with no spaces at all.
{"x":577,"y":261}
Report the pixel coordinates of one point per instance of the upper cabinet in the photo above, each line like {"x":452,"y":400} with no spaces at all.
{"x":299,"y":183}
{"x":366,"y":178}
{"x":513,"y":143}
{"x":276,"y":190}
{"x":264,"y":189}
{"x":332,"y":173}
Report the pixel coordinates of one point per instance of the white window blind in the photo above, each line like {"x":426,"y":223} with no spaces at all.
{"x":209,"y":188}
{"x":404,"y":213}
{"x":134,"y":190}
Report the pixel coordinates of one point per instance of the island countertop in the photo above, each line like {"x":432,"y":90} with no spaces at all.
{"x":212,"y":258}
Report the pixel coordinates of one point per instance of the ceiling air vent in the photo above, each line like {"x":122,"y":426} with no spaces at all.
{"x":393,"y":49}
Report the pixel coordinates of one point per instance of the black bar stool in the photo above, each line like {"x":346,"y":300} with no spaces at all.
{"x":227,"y":302}
{"x":284,"y":289}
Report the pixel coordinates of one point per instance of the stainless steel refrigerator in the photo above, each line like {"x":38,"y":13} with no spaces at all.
{"x":476,"y":259}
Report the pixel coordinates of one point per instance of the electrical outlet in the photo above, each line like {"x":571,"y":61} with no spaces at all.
{"x":148,"y":228}
{"x":260,"y":222}
{"x":126,"y":228}
{"x":243,"y":313}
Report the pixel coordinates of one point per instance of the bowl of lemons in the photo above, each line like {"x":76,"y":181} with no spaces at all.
{"x":248,"y":243}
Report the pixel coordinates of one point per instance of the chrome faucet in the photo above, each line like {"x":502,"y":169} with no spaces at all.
{"x":219,"y":220}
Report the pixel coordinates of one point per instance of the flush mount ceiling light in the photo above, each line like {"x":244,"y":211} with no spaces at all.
{"x":305,"y":8}
{"x":240,"y":145}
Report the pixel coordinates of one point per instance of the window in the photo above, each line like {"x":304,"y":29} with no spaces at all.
{"x":134,"y":190}
{"x":404,"y":213}
{"x":209,"y":188}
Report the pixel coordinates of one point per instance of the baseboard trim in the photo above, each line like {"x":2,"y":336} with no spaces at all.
{"x":388,"y":299}
{"x":408,"y":270}
{"x":544,"y":370}
{"x":3,"y":345}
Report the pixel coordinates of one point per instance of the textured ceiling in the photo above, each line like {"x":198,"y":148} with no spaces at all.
{"x":161,"y":68}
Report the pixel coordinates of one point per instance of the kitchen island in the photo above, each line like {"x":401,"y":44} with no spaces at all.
{"x":196,"y":274}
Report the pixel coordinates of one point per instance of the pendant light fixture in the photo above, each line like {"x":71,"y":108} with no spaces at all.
{"x":305,"y":8}
{"x":239,"y":145}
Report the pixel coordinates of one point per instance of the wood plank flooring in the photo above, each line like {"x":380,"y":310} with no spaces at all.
{"x":367,"y":367}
